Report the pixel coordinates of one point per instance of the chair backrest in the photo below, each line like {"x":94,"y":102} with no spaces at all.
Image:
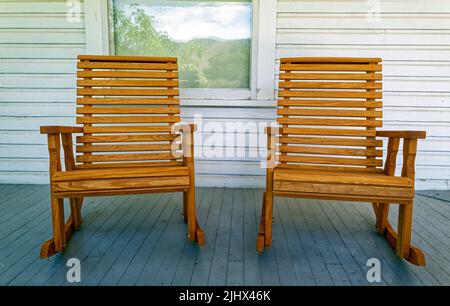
{"x":127,"y":106}
{"x":328,"y":110}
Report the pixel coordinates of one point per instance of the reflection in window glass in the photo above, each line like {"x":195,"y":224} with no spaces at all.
{"x":212,"y":39}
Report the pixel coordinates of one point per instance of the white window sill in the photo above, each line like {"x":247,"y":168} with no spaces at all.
{"x":226,"y":103}
{"x":222,"y":98}
{"x":215,"y":94}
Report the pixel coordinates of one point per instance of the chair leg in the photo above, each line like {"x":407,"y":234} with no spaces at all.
{"x":405,"y":215}
{"x":200,"y":236}
{"x":195,"y":233}
{"x":62,"y":230}
{"x":376,"y":209}
{"x":185,"y":207}
{"x":264,"y":238}
{"x":268,"y":216}
{"x":59,"y":233}
{"x":261,"y":232}
{"x":400,"y":241}
{"x":75,"y":210}
{"x":382,"y":218}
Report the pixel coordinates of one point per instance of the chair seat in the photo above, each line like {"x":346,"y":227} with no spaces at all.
{"x":112,"y":181}
{"x":342,"y":184}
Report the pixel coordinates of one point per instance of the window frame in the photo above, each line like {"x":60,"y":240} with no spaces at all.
{"x":263,"y":54}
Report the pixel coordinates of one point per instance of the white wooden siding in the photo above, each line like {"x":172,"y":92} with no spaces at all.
{"x":38,"y":47}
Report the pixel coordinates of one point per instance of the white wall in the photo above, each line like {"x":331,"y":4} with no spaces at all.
{"x":38,"y":45}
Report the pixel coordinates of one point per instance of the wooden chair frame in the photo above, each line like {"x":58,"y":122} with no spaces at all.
{"x":122,"y":179}
{"x":400,"y":240}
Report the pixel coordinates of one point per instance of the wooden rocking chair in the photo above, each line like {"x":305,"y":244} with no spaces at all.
{"x":326,"y":147}
{"x":129,"y":109}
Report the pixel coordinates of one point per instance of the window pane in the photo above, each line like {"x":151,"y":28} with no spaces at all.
{"x":212,"y":39}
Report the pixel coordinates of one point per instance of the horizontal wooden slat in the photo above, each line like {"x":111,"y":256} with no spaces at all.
{"x":126,"y":138}
{"x":329,"y":122}
{"x":127,"y":83}
{"x":329,"y":132}
{"x":119,"y":173}
{"x":342,"y":177}
{"x":128,"y":110}
{"x":331,"y":76}
{"x":330,"y":60}
{"x":127,"y":101}
{"x":330,"y":67}
{"x":127,"y":74}
{"x":126,"y":129}
{"x":127,"y":92}
{"x":331,"y":85}
{"x":331,"y":160}
{"x":129,"y":165}
{"x":112,"y":184}
{"x":330,"y":151}
{"x":336,"y":169}
{"x":118,"y":58}
{"x":331,"y":103}
{"x":332,"y":141}
{"x":329,"y":112}
{"x":128,"y":119}
{"x":127,"y":148}
{"x":127,"y":157}
{"x":343,"y":197}
{"x":343,"y":189}
{"x":126,"y":65}
{"x":124,"y":191}
{"x":330,"y":94}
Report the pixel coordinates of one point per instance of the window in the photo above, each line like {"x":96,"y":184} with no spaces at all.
{"x":212,"y":39}
{"x":99,"y":26}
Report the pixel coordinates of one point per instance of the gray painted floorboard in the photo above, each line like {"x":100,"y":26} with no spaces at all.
{"x":141,"y":240}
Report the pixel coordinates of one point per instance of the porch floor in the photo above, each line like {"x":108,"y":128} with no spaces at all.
{"x":141,"y":240}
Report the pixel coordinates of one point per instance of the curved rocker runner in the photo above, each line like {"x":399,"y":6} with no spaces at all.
{"x":326,"y":146}
{"x":132,"y":141}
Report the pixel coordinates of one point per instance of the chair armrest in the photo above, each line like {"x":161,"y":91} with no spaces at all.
{"x":55,"y":136}
{"x":409,"y":150}
{"x":57,"y":129}
{"x":403,"y":134}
